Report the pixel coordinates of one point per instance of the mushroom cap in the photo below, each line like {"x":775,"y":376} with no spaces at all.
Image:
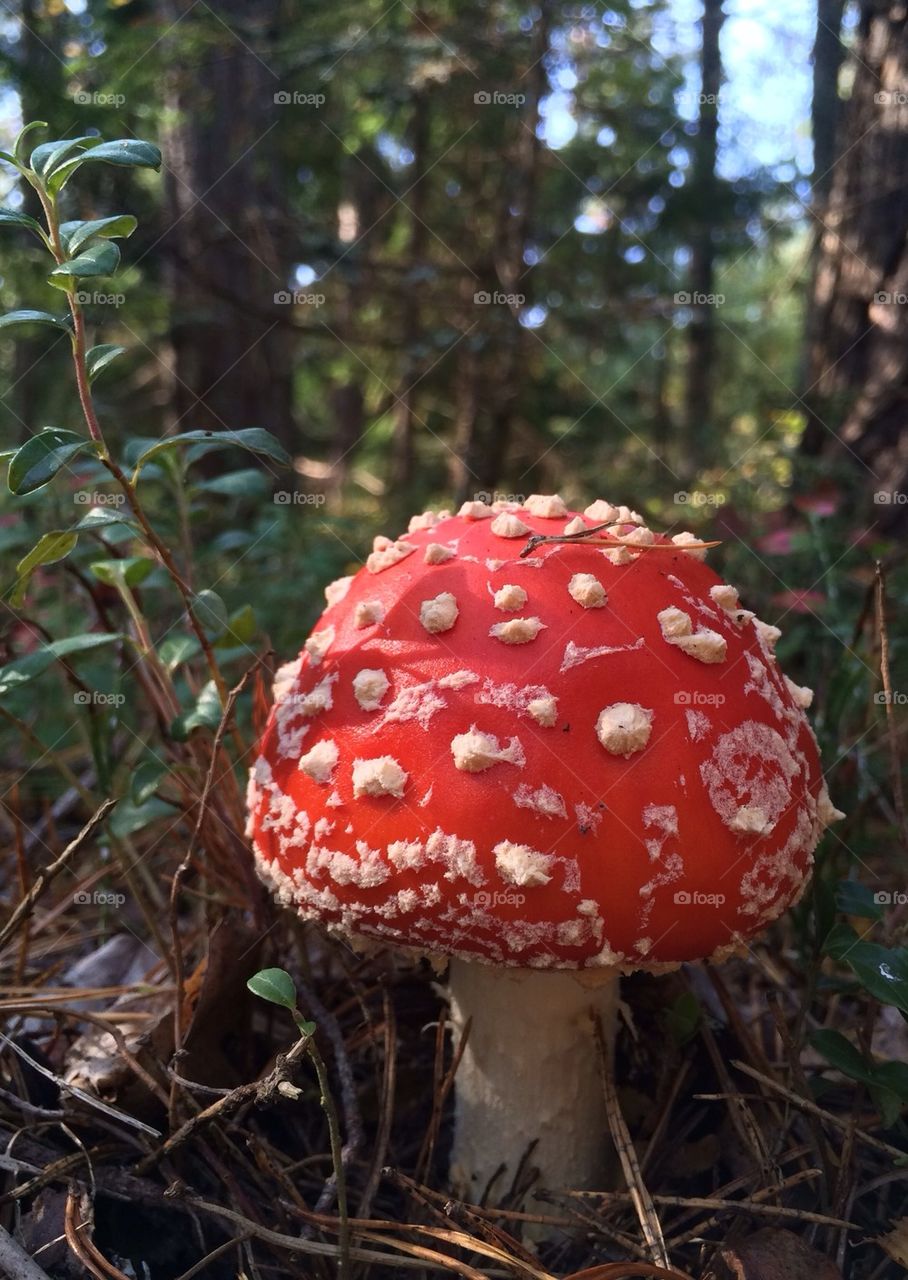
{"x":586,"y":756}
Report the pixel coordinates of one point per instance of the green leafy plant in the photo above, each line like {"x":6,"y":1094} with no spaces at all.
{"x":879,"y":972}
{"x":135,"y":553}
{"x":277,"y":987}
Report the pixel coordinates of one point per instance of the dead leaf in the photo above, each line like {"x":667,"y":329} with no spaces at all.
{"x":895,"y":1243}
{"x":773,"y":1254}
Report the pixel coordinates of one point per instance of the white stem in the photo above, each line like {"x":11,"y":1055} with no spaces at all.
{"x":530,"y":1071}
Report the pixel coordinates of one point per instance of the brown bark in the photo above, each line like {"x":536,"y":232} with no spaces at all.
{"x":405,"y":413}
{"x":858,"y":360}
{"x":231,"y":364}
{"x":825,"y":115}
{"x":825,"y":110}
{"x":485,"y":436}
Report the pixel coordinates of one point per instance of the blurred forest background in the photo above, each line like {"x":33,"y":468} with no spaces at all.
{"x":494,"y":246}
{"x":654,"y":252}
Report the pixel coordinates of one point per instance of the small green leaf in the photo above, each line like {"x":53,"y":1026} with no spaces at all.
{"x":40,"y":458}
{"x":102,"y":517}
{"x":48,"y":156}
{"x":98,"y":358}
{"x":206,"y":714}
{"x":36,"y":317}
{"x":75,"y":234}
{"x":47,"y":550}
{"x":177,"y":649}
{"x":19,"y":144}
{"x":127,"y":151}
{"x":21,"y":670}
{"x":12,"y":218}
{"x":840,"y":939}
{"x":682,"y":1018}
{"x":855,"y":899}
{"x":129,"y":817}
{"x":241,"y":627}
{"x":254,"y":439}
{"x":145,"y":780}
{"x":886,"y":1081}
{"x":248,"y":482}
{"x":841,"y":1053}
{"x":211,"y":612}
{"x":274,"y":985}
{"x":128,"y":572}
{"x":101,"y":259}
{"x":130,"y":152}
{"x":883,"y":971}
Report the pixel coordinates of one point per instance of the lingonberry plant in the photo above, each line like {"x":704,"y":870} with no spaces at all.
{"x":116,"y":545}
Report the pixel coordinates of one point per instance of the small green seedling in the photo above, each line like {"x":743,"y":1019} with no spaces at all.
{"x":277,"y":987}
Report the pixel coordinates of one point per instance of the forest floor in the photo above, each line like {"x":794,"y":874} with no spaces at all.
{"x":750,"y":1165}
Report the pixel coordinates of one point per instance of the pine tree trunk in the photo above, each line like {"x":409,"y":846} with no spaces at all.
{"x":825,"y":116}
{"x":225,"y":254}
{"x":485,"y":430}
{"x":858,"y":359}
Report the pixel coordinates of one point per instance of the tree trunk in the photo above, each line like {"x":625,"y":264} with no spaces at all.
{"x":858,"y":359}
{"x":404,"y":413}
{"x":825,"y":115}
{"x":483,"y":446}
{"x":701,"y":331}
{"x":225,"y":256}
{"x":825,"y":110}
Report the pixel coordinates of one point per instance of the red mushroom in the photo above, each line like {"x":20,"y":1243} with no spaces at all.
{"x":547,"y":763}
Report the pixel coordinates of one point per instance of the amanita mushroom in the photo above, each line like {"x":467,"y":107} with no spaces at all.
{"x":550,"y":768}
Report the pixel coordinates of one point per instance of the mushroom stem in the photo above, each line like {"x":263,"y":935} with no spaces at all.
{"x":529,"y":1072}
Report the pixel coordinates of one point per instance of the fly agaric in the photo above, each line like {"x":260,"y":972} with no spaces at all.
{"x":549,"y":760}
